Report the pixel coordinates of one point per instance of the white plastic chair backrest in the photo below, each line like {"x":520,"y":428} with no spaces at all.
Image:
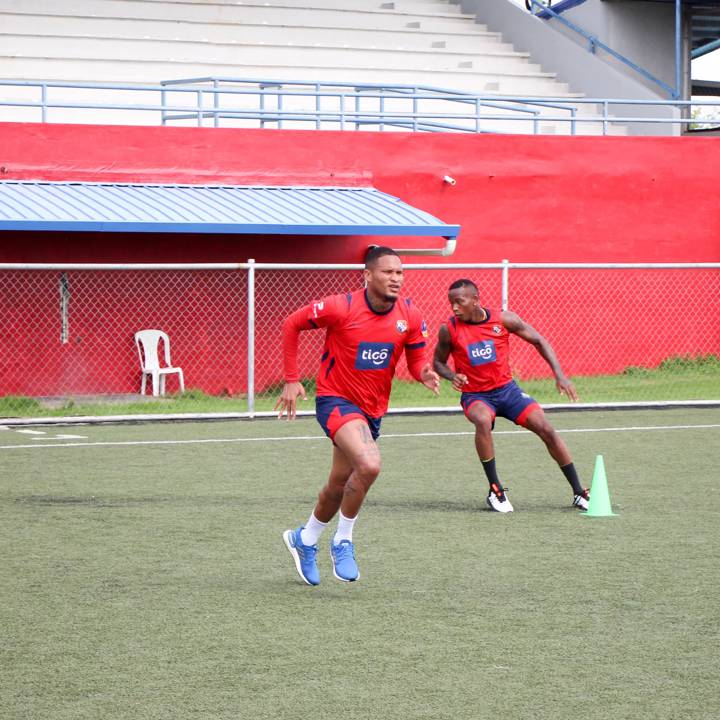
{"x":150,"y":340}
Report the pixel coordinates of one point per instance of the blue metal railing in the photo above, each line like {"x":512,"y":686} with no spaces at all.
{"x":277,"y":103}
{"x":541,"y":9}
{"x":350,"y":97}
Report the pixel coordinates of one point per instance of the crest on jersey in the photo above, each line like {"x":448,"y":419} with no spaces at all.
{"x":497,"y":329}
{"x":401,"y":326}
{"x":423,"y":329}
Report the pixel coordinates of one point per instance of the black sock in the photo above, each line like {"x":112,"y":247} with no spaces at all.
{"x":491,"y":474}
{"x":570,"y":473}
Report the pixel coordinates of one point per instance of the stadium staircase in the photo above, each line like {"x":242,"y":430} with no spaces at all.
{"x":408,"y":42}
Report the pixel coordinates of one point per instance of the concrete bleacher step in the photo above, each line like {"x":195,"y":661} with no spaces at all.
{"x":392,"y":42}
{"x":241,"y":54}
{"x":146,"y":72}
{"x":181,"y":52}
{"x":437,"y":7}
{"x":259,"y":12}
{"x":476,"y":41}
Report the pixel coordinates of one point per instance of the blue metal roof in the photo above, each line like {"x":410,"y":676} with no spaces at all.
{"x":100,"y":207}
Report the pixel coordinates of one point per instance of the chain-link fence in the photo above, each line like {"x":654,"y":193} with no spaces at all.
{"x":626,"y":333}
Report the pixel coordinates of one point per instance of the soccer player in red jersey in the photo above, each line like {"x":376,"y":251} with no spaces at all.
{"x":366,"y":333}
{"x":478,"y":340}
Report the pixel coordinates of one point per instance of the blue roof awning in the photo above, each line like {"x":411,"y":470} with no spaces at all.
{"x":101,"y":207}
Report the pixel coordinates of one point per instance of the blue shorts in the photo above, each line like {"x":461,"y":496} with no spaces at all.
{"x":507,"y":401}
{"x":333,"y":412}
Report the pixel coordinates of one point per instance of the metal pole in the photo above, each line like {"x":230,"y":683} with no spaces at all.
{"x":605,"y":117}
{"x":251,"y":339}
{"x":678,"y":48}
{"x":505,"y":283}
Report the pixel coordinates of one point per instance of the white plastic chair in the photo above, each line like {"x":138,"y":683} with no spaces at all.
{"x":147,"y":343}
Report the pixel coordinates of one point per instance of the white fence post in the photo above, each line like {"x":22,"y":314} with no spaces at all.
{"x":505,"y":284}
{"x":251,"y":339}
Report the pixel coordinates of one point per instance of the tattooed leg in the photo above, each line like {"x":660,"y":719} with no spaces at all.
{"x":355,"y":442}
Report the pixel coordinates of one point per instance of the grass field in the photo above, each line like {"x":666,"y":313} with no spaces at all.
{"x":677,"y":378}
{"x":144,"y":575}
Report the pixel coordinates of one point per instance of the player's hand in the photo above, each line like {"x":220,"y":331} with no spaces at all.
{"x":430,"y":379}
{"x":287,"y":404}
{"x":458,"y":381}
{"x":565,"y":387}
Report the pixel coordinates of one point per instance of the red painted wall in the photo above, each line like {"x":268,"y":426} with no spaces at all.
{"x":529,"y":199}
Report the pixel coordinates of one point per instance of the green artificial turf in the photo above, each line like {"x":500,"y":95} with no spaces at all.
{"x":150,"y":581}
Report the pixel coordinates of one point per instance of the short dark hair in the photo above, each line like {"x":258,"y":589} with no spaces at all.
{"x":464,"y":282}
{"x":376,"y":252}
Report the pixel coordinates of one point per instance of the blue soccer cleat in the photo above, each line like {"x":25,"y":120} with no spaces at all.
{"x":343,"y":559}
{"x":304,"y":556}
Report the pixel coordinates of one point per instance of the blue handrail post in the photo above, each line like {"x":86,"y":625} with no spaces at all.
{"x":678,"y":49}
{"x":415,"y":109}
{"x":318,"y":106}
{"x":43,"y":99}
{"x":261,"y":103}
{"x":605,"y":117}
{"x":216,"y":104}
{"x":199,"y":105}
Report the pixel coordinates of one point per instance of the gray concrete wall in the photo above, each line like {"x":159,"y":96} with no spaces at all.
{"x":586,"y":72}
{"x":643,"y":32}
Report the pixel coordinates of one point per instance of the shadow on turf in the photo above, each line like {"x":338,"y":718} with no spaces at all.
{"x":417,"y":506}
{"x":119,"y":501}
{"x":450,"y":506}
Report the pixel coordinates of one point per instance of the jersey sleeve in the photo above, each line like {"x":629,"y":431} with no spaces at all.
{"x":321,"y":313}
{"x":416,"y":345}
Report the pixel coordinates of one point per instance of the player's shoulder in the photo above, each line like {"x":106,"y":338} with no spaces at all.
{"x":451,"y":324}
{"x":506,"y":317}
{"x":415,"y":316}
{"x":342,"y":302}
{"x":408,"y":306}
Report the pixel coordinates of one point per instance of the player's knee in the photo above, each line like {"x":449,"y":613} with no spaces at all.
{"x":482,"y":423}
{"x":548,"y":434}
{"x":368,"y":469}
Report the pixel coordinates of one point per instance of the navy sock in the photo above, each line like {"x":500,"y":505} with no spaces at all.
{"x":492,"y":477}
{"x":570,"y":473}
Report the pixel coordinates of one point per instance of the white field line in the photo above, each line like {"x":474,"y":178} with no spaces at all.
{"x":207,"y":441}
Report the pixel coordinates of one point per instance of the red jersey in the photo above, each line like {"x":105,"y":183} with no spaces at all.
{"x":362,"y":347}
{"x":480,"y":351}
